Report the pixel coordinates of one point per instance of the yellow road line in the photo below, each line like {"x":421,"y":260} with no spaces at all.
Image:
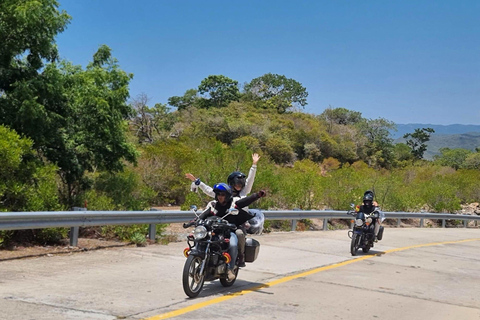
{"x":289,"y":278}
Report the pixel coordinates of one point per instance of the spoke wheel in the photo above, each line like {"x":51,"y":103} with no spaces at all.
{"x":191,"y":278}
{"x":354,"y":244}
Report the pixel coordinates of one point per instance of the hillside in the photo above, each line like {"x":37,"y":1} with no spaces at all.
{"x":446,"y":136}
{"x":439,"y":129}
{"x":468,"y":141}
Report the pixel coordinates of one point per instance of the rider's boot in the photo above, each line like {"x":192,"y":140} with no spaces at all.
{"x":230,"y":275}
{"x":241,"y":260}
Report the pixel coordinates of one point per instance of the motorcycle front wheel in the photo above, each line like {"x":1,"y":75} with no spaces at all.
{"x":354,"y":245}
{"x":192,"y":279}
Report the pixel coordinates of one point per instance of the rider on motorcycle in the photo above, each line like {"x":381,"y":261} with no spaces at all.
{"x":369,"y":206}
{"x":241,"y":186}
{"x":220,"y":207}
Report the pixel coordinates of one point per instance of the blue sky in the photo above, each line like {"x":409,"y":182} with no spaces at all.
{"x":405,"y":61}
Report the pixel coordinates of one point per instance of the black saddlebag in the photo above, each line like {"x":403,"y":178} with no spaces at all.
{"x":252,"y":247}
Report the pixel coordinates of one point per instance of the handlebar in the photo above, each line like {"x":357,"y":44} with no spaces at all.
{"x":188,"y":224}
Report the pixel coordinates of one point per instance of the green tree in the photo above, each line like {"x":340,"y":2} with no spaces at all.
{"x":276,"y":91}
{"x":95,"y":135}
{"x":473,"y":161}
{"x":378,"y":151}
{"x":27,"y":34}
{"x":340,"y":116}
{"x":454,"y":158}
{"x":402,"y":153}
{"x":221,"y":90}
{"x":76,"y":118}
{"x":190,"y":98}
{"x":416,"y":141}
{"x":25,"y":183}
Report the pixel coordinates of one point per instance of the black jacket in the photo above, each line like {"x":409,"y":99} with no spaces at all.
{"x":221,"y":210}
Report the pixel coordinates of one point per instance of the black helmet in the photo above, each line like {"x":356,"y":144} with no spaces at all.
{"x":235,"y":178}
{"x":369,"y":192}
{"x":368,"y":197}
{"x":222,"y":188}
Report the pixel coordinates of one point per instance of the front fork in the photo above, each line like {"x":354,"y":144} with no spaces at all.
{"x":204,"y":263}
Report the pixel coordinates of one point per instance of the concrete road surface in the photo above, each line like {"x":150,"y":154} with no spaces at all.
{"x":411,"y":274}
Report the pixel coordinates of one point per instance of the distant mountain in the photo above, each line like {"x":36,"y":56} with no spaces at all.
{"x":451,"y":136}
{"x":439,"y":129}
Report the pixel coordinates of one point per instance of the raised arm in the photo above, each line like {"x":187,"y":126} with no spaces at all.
{"x":206,"y":189}
{"x":251,"y":176}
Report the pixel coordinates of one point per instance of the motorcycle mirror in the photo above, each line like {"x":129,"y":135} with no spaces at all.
{"x":233,"y":211}
{"x":194,"y":209}
{"x":352,"y":205}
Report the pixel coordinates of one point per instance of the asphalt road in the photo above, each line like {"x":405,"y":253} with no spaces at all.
{"x":411,"y":274}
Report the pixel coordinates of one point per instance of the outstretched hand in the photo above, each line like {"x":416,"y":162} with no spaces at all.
{"x":261,"y":193}
{"x":190,"y":176}
{"x":255,"y":158}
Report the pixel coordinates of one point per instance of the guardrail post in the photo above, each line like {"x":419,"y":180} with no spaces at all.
{"x":152,"y":231}
{"x":421,"y":223}
{"x":399,"y":221}
{"x":294,"y":224}
{"x":465,"y":222}
{"x":444,"y":223}
{"x":152,"y":228}
{"x":75,"y":230}
{"x":325,"y":224}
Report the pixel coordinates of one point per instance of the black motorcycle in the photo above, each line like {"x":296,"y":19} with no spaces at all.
{"x":363,"y":231}
{"x":207,"y":253}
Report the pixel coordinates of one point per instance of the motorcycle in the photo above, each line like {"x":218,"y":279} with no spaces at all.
{"x":363,"y":231}
{"x":207,"y":252}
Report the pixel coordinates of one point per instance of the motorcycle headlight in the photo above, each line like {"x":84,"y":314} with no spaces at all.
{"x":358,"y":222}
{"x":200,"y":232}
{"x":369,"y":220}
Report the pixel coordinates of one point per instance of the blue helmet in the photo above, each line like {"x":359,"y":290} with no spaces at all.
{"x":222,"y":188}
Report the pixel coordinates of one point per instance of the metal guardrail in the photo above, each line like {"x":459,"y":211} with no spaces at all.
{"x":82,"y":218}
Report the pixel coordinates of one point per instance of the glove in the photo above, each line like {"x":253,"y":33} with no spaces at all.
{"x":261,"y":193}
{"x":193,"y":187}
{"x":188,"y":224}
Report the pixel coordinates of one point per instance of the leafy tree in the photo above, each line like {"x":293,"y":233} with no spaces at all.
{"x":190,"y":98}
{"x":27,"y":32}
{"x":402,"y":153}
{"x":76,"y":118}
{"x":454,"y":158}
{"x":25,"y":183}
{"x":276,"y":91}
{"x":417,"y":141}
{"x":279,"y":150}
{"x":473,"y":161}
{"x":221,"y":90}
{"x":378,"y":151}
{"x":340,"y":116}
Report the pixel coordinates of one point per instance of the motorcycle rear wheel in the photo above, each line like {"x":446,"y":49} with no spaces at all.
{"x":191,"y":278}
{"x":354,"y":245}
{"x":226,"y":283}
